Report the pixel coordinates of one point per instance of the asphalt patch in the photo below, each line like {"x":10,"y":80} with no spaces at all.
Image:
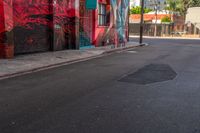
{"x":151,"y":74}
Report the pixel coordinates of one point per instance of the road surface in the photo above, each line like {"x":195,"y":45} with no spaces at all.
{"x":152,"y":89}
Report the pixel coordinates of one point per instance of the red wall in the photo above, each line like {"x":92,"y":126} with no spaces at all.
{"x":109,"y":34}
{"x":38,"y":25}
{"x":41,"y":25}
{"x":102,"y":34}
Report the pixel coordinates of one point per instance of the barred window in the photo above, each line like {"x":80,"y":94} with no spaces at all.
{"x":102,"y":14}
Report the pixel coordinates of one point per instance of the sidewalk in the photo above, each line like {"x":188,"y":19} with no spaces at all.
{"x":170,"y":37}
{"x":23,"y":64}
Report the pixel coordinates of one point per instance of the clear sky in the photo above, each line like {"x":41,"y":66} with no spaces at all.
{"x":135,"y":2}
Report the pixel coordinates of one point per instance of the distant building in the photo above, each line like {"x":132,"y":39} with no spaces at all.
{"x":134,"y":3}
{"x":149,"y":3}
{"x":152,"y":3}
{"x":193,"y":18}
{"x":151,"y":17}
{"x":148,"y":18}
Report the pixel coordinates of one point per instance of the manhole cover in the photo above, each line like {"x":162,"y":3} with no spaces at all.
{"x":151,"y":74}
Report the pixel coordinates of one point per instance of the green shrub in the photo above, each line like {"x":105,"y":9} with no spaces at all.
{"x":166,"y":19}
{"x":137,"y":10}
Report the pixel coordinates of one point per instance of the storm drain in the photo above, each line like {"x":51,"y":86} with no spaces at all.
{"x":151,"y":74}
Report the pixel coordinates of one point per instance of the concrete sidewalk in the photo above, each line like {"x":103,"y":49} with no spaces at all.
{"x":169,"y":37}
{"x":23,"y":64}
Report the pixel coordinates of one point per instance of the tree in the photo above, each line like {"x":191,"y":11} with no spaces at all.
{"x":181,"y":6}
{"x":137,"y":10}
{"x":173,"y":5}
{"x":195,"y":3}
{"x":166,"y":19}
{"x":184,"y":5}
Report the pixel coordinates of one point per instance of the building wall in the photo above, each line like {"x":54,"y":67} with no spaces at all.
{"x":43,"y":25}
{"x":86,"y":25}
{"x":6,"y":23}
{"x":38,"y":25}
{"x":193,"y":17}
{"x":117,"y":30}
{"x":65,"y":16}
{"x":31,"y":25}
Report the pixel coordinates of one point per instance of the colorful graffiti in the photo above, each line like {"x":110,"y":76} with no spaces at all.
{"x":116,"y":31}
{"x":122,"y":21}
{"x":38,"y":25}
{"x":42,"y":25}
{"x":64,"y":22}
{"x":5,"y":24}
{"x":85,"y":25}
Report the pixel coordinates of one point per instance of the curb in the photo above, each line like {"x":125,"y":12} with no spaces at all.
{"x":20,"y":73}
{"x":107,"y":52}
{"x":123,"y":48}
{"x":152,"y":37}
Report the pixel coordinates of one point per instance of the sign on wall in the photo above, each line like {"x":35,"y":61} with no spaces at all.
{"x":91,"y":4}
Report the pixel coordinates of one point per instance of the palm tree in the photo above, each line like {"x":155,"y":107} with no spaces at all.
{"x":180,"y":6}
{"x":196,"y":3}
{"x":184,"y":5}
{"x":172,"y":7}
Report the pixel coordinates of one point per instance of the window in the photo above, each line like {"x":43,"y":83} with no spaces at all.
{"x":102,"y":14}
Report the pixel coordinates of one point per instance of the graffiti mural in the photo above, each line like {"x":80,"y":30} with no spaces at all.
{"x":116,"y":31}
{"x":122,"y":22}
{"x":64,"y":24}
{"x":42,"y":25}
{"x":85,"y":25}
{"x":38,"y":25}
{"x":6,"y":23}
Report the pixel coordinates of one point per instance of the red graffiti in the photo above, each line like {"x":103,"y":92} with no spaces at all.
{"x":25,"y":12}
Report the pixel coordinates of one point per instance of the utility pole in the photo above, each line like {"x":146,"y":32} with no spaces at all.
{"x":128,"y":19}
{"x":156,"y":15}
{"x":157,"y":4}
{"x":142,"y":22}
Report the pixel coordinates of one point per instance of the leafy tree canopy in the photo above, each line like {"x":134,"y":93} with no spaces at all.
{"x":137,"y":10}
{"x":195,"y":3}
{"x":181,"y":5}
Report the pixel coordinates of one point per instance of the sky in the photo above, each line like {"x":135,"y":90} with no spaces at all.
{"x":134,"y":2}
{"x":137,"y":2}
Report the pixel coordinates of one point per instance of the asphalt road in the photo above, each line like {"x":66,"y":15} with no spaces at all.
{"x":152,"y":89}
